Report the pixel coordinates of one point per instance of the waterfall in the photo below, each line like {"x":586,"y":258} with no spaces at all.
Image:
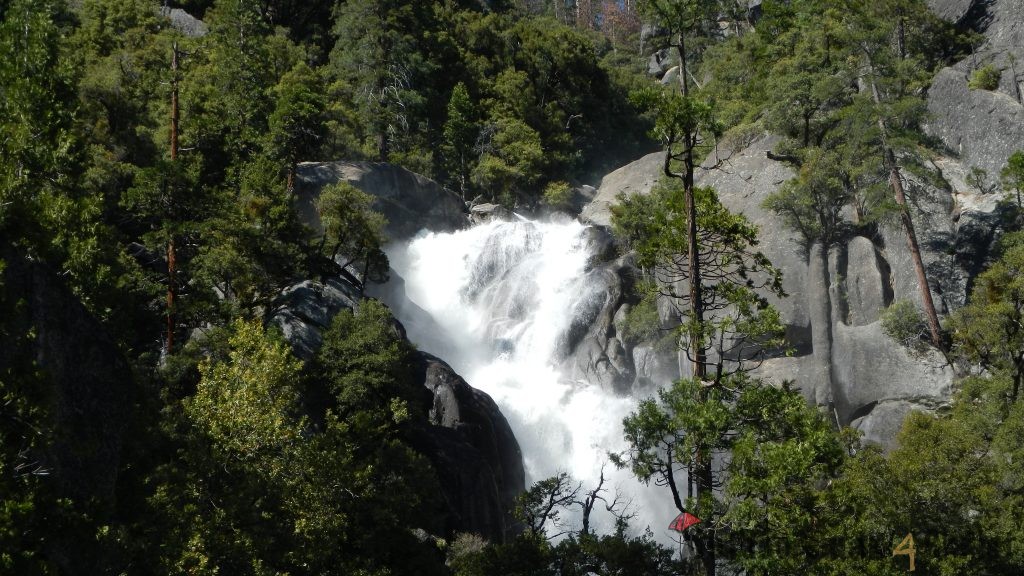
{"x":500,"y":300}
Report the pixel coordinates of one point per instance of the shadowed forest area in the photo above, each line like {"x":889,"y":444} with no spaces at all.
{"x":155,"y":420}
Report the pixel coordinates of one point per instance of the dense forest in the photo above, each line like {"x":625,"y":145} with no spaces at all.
{"x":148,"y":167}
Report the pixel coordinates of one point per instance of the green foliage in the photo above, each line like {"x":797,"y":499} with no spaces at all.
{"x":511,"y":164}
{"x":642,"y":322}
{"x":296,"y":126}
{"x":239,"y":460}
{"x":1012,"y":175}
{"x":985,"y":78}
{"x":676,"y":116}
{"x":460,"y":134}
{"x":320,"y":493}
{"x":353,"y":230}
{"x":780,"y":459}
{"x":24,"y":431}
{"x":940,"y":484}
{"x":39,"y":154}
{"x":905,"y":324}
{"x":366,"y":361}
{"x":978,"y":177}
{"x":379,"y":52}
{"x":812,"y":203}
{"x":247,"y":405}
{"x":781,"y":451}
{"x":988,"y":329}
{"x":558,"y":195}
{"x":807,"y":85}
{"x":654,"y":227}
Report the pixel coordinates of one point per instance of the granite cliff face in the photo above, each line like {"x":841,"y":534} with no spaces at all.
{"x":981,"y":127}
{"x":842,"y":359}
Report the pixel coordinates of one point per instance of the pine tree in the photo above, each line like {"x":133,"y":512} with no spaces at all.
{"x":692,"y":424}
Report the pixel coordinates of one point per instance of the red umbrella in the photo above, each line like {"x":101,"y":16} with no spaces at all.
{"x":683,"y":521}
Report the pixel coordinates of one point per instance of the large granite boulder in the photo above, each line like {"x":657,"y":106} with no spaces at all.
{"x":635,"y":178}
{"x":184,"y":22}
{"x":409,"y":201}
{"x":303,"y":310}
{"x":85,"y":390}
{"x":474,"y":451}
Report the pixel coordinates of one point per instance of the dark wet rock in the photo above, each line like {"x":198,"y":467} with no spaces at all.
{"x":472,"y":446}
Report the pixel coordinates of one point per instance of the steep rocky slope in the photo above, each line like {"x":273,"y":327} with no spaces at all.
{"x":408,"y":200}
{"x":842,"y":358}
{"x":982,"y":127}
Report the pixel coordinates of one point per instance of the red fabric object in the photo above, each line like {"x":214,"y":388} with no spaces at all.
{"x":683,"y":521}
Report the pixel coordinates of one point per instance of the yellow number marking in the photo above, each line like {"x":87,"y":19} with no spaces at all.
{"x":907,"y":547}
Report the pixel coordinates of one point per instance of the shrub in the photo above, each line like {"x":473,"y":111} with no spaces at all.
{"x":985,"y":78}
{"x":904,"y":323}
{"x":558,"y":195}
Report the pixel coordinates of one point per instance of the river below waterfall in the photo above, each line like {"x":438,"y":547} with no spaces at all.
{"x":497,"y":301}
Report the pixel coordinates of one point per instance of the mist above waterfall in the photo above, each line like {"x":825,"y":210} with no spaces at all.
{"x":501,"y":303}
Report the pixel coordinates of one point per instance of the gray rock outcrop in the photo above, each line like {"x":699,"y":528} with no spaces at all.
{"x":954,"y":11}
{"x":474,"y":451}
{"x":842,"y":359}
{"x":303,"y":310}
{"x":593,"y":344}
{"x":635,"y":178}
{"x":184,"y":22}
{"x":409,"y":201}
{"x":481,"y":213}
{"x":982,"y":127}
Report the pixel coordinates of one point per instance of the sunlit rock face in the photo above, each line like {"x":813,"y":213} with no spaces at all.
{"x":841,"y":358}
{"x":982,"y":127}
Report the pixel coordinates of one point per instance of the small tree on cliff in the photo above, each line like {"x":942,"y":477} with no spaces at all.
{"x":1012,"y":176}
{"x":353,"y":230}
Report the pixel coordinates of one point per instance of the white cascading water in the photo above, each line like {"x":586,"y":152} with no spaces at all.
{"x":503,"y":294}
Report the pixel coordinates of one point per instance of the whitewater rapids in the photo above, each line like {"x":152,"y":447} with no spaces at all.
{"x":501,"y":297}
